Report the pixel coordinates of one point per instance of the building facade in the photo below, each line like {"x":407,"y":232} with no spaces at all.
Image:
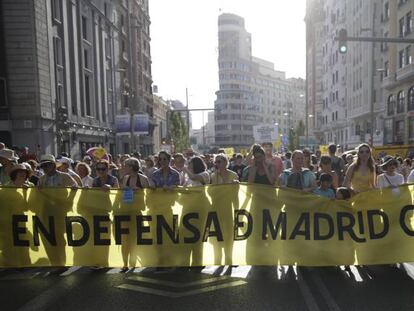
{"x":251,"y":91}
{"x":375,"y":102}
{"x":161,"y":111}
{"x":68,"y":70}
{"x":398,"y":72}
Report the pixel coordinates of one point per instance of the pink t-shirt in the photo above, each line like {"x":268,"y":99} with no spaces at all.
{"x":277,"y":164}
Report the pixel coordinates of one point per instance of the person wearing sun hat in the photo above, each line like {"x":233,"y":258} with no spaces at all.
{"x":52,"y":177}
{"x":64,"y":165}
{"x":7,"y":159}
{"x":390,"y":178}
{"x":19,"y":176}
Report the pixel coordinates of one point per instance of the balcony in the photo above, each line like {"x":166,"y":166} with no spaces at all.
{"x":405,"y":74}
{"x":389,"y":82}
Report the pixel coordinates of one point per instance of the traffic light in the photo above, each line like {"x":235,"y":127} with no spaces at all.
{"x":342,"y":41}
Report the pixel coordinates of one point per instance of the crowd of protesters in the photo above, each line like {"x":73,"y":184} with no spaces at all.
{"x":334,"y":176}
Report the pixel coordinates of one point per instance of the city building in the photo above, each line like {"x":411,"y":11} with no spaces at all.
{"x":68,"y":68}
{"x":396,"y":19}
{"x":346,"y":93}
{"x":251,"y":91}
{"x":161,"y":111}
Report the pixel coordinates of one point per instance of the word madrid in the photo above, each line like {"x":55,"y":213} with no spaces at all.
{"x":199,"y":227}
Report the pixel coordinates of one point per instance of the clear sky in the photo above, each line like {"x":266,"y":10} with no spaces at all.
{"x":184,"y":42}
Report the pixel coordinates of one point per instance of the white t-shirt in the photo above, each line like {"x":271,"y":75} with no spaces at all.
{"x":193,"y":183}
{"x":385,"y":180}
{"x":87,"y":181}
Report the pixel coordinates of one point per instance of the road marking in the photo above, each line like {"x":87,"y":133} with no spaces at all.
{"x":170,"y":294}
{"x":176,"y":284}
{"x":20,"y":275}
{"x":240,"y":271}
{"x":306,"y":293}
{"x":331,"y":303}
{"x":70,"y":270}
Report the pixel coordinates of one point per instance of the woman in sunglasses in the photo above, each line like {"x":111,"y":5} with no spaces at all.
{"x":361,"y":175}
{"x":165,"y":177}
{"x":222,"y":174}
{"x":103,"y":179}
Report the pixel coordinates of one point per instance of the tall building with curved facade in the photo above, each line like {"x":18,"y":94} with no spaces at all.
{"x":251,"y":92}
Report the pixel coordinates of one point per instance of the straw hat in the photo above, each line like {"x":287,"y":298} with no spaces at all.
{"x":47,"y":158}
{"x":21,"y":167}
{"x":8,"y":154}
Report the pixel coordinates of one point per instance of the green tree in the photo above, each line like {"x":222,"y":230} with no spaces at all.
{"x":178,"y":131}
{"x":300,"y":128}
{"x":292,"y":139}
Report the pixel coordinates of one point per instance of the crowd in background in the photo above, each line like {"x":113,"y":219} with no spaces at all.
{"x":336,"y":176}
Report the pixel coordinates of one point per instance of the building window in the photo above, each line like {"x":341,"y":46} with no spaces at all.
{"x":408,"y":58}
{"x":60,"y":72}
{"x":390,"y":105}
{"x":88,"y":93}
{"x":400,"y":102}
{"x":386,"y":69}
{"x":57,"y":10}
{"x":388,"y":133}
{"x":410,"y":99}
{"x":386,"y":11}
{"x":399,"y":131}
{"x":3,"y":93}
{"x":402,"y":27}
{"x":357,"y":129}
{"x":408,"y":23}
{"x":411,"y":128}
{"x":401,"y":59}
{"x":86,"y":29}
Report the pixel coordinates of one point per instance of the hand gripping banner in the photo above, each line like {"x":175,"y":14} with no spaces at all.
{"x":212,"y":225}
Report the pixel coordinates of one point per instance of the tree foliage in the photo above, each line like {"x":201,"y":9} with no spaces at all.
{"x":178,"y":132}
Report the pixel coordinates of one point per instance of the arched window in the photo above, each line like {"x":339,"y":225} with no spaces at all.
{"x":410,"y":99}
{"x":390,"y":105}
{"x":400,"y":101}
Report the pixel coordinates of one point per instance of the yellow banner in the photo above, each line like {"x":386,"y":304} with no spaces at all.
{"x":213,"y":225}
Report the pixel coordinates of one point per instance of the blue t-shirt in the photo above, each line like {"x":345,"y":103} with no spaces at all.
{"x":328,"y":193}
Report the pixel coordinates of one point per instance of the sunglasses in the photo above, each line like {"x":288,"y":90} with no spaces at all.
{"x":44,"y":165}
{"x":102,"y":169}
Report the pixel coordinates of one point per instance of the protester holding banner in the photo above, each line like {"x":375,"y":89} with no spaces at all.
{"x":19,"y":176}
{"x":165,"y":177}
{"x":64,"y":165}
{"x":390,"y":178}
{"x":238,"y":166}
{"x":222,"y":174}
{"x":197,"y":173}
{"x":326,"y":168}
{"x":361,"y":174}
{"x":298,"y":177}
{"x":133,"y":179}
{"x":273,"y":160}
{"x":178,"y":165}
{"x":53,"y":177}
{"x":259,"y":171}
{"x":84,"y":172}
{"x":7,"y":160}
{"x":104,"y":180}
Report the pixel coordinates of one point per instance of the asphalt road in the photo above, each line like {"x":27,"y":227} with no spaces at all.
{"x":376,"y":288}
